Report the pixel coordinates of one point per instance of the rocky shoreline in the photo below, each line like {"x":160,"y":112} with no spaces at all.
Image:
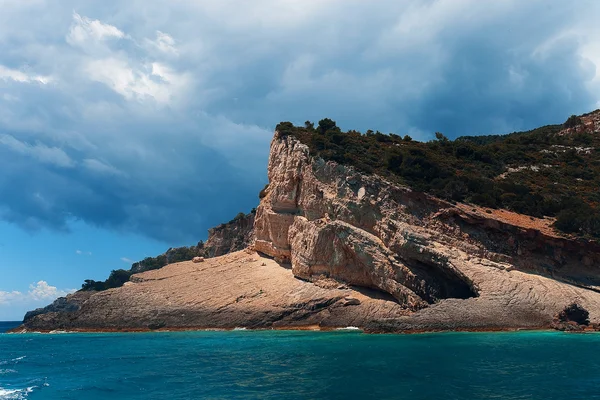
{"x":255,"y":292}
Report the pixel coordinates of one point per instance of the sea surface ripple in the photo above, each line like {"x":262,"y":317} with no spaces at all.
{"x":300,"y":365}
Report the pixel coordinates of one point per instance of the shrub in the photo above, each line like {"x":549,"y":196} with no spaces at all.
{"x":572,"y":122}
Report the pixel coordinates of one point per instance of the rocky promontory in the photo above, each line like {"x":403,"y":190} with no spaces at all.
{"x":331,"y":247}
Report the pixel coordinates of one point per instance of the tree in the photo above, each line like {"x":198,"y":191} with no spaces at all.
{"x":394,"y":162}
{"x":441,"y":137}
{"x":327,"y":124}
{"x":117,"y":278}
{"x":309,"y":125}
{"x":90,"y":284}
{"x":284,"y":128}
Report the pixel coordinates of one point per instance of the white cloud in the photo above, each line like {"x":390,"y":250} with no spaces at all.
{"x":38,"y":292}
{"x":127,"y":260}
{"x":43,"y":291}
{"x":164,"y":43}
{"x":83,"y":30}
{"x":155,"y":80}
{"x":136,"y":72}
{"x":39,"y":151}
{"x":22,"y":77}
{"x":83,"y":253}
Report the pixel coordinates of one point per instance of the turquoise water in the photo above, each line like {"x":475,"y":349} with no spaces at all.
{"x":300,"y":365}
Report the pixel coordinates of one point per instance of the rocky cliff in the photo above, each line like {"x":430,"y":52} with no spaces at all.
{"x":349,"y":248}
{"x":453,"y":265}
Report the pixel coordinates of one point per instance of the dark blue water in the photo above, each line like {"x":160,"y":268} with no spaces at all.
{"x":7,"y":325}
{"x":300,"y":365}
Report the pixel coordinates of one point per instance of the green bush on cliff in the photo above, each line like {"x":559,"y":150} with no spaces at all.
{"x":116,"y":279}
{"x":572,"y":121}
{"x":548,"y":169}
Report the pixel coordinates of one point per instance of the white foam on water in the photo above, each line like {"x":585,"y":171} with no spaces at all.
{"x":15,"y":394}
{"x":8,"y":394}
{"x":7,"y":371}
{"x":349,"y":328}
{"x":13,"y":361}
{"x":240,"y":329}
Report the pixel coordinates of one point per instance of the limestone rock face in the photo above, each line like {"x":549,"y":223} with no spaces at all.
{"x":341,"y":251}
{"x":330,"y":221}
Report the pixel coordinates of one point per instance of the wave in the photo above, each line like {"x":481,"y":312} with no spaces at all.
{"x":15,"y":394}
{"x":13,"y":361}
{"x":349,"y":328}
{"x":7,"y":371}
{"x":240,"y":329}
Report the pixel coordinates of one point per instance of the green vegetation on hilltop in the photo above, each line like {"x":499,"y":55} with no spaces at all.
{"x":538,"y":172}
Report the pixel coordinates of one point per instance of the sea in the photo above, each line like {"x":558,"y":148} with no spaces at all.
{"x":345,"y":364}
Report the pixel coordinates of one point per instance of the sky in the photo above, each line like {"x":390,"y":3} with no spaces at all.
{"x":130,"y":127}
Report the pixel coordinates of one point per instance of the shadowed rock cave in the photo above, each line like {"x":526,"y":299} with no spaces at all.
{"x":434,"y":282}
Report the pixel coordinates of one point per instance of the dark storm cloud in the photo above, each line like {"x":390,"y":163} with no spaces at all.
{"x":155,"y":117}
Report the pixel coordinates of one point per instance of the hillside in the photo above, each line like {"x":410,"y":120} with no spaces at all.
{"x":552,"y":171}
